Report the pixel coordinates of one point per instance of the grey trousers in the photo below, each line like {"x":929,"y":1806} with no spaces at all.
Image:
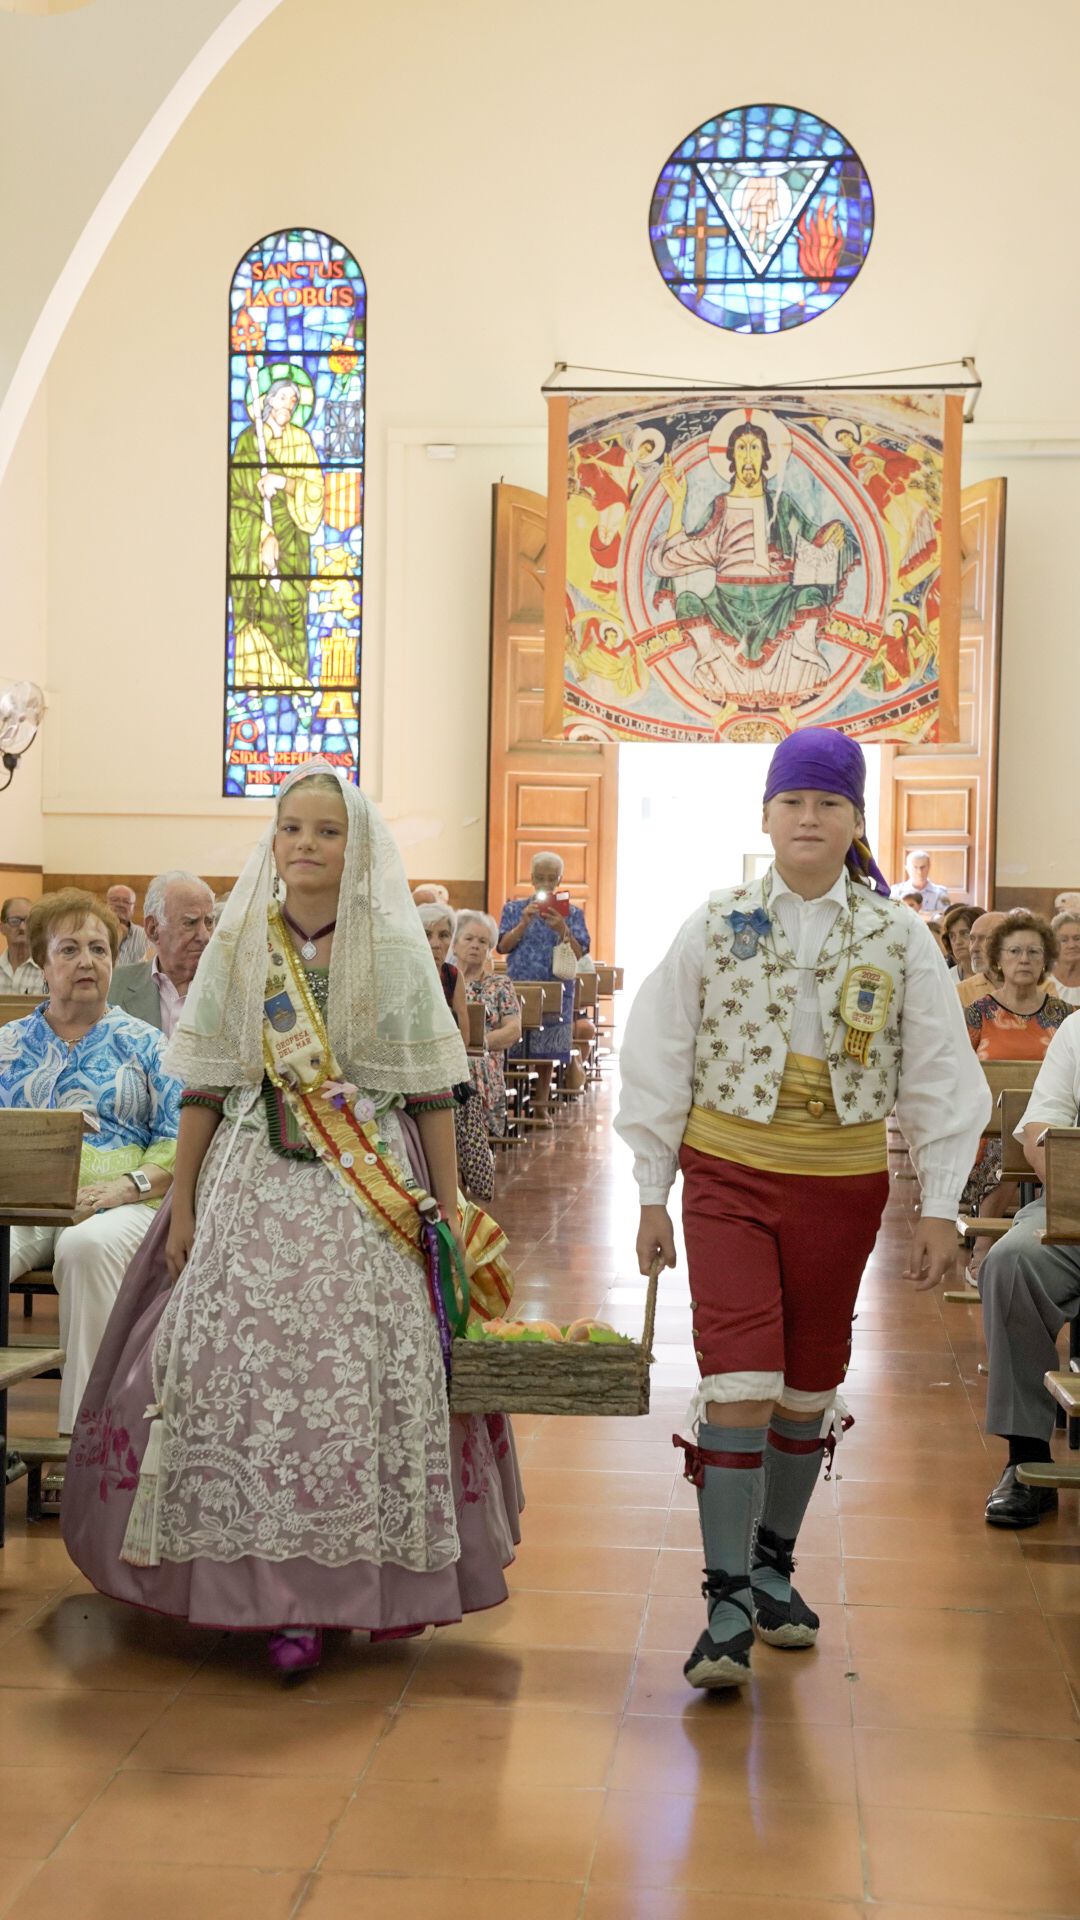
{"x":1029,"y":1291}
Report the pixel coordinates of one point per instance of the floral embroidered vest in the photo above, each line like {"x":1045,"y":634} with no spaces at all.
{"x":747,"y":1007}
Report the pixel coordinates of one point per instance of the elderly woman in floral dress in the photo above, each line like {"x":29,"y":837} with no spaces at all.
{"x":474,"y":939}
{"x":300,"y":1469}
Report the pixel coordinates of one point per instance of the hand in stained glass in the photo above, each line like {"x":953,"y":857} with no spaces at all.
{"x":760,"y":207}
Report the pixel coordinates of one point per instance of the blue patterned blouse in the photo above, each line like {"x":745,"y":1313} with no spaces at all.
{"x":114,"y":1072}
{"x":531,"y":958}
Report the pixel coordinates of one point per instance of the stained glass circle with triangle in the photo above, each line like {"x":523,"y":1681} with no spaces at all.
{"x":761,"y":218}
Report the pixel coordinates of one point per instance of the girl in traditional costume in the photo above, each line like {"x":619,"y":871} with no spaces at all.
{"x":266,"y":1443}
{"x":762,"y":1058}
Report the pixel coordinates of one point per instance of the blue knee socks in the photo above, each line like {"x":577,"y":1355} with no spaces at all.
{"x":792,"y":1464}
{"x":727,"y":1505}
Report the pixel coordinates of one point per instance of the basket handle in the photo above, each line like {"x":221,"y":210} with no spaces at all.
{"x":655,"y":1271}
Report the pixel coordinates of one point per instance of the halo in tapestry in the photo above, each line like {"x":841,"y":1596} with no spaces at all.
{"x":297,"y":381}
{"x":761,"y":218}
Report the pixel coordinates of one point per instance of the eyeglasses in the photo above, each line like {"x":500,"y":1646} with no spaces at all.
{"x":17,"y":920}
{"x":1021,"y":953}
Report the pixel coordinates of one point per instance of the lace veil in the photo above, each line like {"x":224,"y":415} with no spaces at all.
{"x":389,"y":1025}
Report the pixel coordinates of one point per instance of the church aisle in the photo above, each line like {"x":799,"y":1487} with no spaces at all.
{"x":547,"y":1761}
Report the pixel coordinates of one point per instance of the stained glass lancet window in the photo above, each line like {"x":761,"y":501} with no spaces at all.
{"x":297,"y":372}
{"x":761,"y":219}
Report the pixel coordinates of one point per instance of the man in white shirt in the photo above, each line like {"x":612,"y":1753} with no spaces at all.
{"x":134,"y":945}
{"x":1029,"y":1291}
{"x":179,"y":917}
{"x":762,"y":1058}
{"x":935,"y":899}
{"x":18,"y":973}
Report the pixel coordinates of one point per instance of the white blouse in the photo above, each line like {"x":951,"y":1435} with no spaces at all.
{"x":942,"y":1101}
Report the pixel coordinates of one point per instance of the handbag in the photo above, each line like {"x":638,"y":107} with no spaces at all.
{"x":564,"y":961}
{"x":476,"y":1161}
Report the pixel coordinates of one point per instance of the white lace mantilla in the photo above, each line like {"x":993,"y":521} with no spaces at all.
{"x":299,"y":1371}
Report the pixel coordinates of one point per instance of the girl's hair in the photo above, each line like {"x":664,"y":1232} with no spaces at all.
{"x":432,"y":912}
{"x":322,"y":782}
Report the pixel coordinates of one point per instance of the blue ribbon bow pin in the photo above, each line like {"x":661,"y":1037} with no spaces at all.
{"x":748,"y":930}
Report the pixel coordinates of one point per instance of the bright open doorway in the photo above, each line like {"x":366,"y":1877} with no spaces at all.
{"x":690,"y":821}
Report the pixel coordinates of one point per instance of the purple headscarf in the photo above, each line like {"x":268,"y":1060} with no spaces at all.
{"x":817,"y":760}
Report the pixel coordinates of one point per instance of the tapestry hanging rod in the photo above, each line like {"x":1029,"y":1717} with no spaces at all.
{"x":967,"y":381}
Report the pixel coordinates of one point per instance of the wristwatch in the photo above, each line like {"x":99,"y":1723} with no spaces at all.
{"x":141,"y":1182}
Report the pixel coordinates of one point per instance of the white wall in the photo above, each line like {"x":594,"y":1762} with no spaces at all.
{"x":23,"y":626}
{"x":491,"y":168}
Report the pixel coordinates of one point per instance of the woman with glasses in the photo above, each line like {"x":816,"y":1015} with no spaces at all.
{"x":1015,"y":1018}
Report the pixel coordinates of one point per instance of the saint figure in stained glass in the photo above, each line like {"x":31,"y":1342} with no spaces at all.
{"x":297,"y":344}
{"x":277,"y":505}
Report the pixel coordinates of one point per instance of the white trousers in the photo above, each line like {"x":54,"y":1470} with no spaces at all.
{"x":88,"y":1261}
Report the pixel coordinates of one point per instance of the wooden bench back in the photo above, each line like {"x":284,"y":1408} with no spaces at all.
{"x":39,"y":1158}
{"x":609,"y":980}
{"x":1063,"y":1185}
{"x":547,"y":994}
{"x":585,"y":993}
{"x":16,"y":1006}
{"x":476,"y":1025}
{"x":1011,"y":1108}
{"x":1013,"y":1076}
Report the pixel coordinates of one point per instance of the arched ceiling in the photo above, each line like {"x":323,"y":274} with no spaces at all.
{"x":120,"y":77}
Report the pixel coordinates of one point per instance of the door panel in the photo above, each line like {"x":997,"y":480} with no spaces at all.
{"x":945,"y":799}
{"x":541,"y":795}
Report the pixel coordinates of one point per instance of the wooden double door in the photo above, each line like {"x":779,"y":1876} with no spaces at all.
{"x":541,"y":797}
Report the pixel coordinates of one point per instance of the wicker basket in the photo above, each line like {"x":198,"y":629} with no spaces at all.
{"x":536,"y":1376}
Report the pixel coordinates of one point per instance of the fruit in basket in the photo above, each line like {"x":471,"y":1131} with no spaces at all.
{"x":540,"y":1330}
{"x":583,"y":1330}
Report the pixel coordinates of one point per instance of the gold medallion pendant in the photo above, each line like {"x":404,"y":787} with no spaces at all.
{"x":815,"y":1108}
{"x":864,"y":1008}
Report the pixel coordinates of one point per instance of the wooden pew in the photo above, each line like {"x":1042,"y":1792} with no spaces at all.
{"x":39,"y":1179}
{"x":476,"y":1026}
{"x":1010,"y":1083}
{"x":16,"y":1006}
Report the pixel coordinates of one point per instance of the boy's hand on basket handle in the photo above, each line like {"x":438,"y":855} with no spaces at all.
{"x":656,"y":1239}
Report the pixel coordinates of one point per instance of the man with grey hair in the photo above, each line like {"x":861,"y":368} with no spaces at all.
{"x":134,"y":945}
{"x":179,"y":918}
{"x":935,"y":899}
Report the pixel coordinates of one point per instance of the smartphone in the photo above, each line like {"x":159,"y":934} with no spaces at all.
{"x":561,"y":903}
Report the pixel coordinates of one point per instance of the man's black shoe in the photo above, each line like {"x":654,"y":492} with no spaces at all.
{"x":1013,"y":1505}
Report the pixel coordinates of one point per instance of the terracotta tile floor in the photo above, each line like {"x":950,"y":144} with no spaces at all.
{"x":546,"y":1761}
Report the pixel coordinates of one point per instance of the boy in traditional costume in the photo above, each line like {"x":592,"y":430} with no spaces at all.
{"x":300,"y":1468}
{"x":763,"y":1057}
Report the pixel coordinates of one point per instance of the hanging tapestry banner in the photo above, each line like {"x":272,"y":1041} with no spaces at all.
{"x":731,"y":566}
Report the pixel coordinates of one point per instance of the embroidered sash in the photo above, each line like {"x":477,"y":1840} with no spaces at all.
{"x":300,"y":1062}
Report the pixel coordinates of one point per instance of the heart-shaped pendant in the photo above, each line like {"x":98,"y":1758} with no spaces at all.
{"x":815,"y":1108}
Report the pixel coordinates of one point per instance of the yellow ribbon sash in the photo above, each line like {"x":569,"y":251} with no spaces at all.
{"x":299,"y":1060}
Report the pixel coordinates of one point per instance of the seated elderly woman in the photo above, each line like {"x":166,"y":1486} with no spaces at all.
{"x":530,"y":933}
{"x":474,"y":939}
{"x":1064,"y":982}
{"x":1015,"y":1018}
{"x":956,"y":935}
{"x":77,"y":1051}
{"x":439,"y":924}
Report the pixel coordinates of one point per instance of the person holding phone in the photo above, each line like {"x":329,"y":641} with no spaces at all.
{"x":530,"y":932}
